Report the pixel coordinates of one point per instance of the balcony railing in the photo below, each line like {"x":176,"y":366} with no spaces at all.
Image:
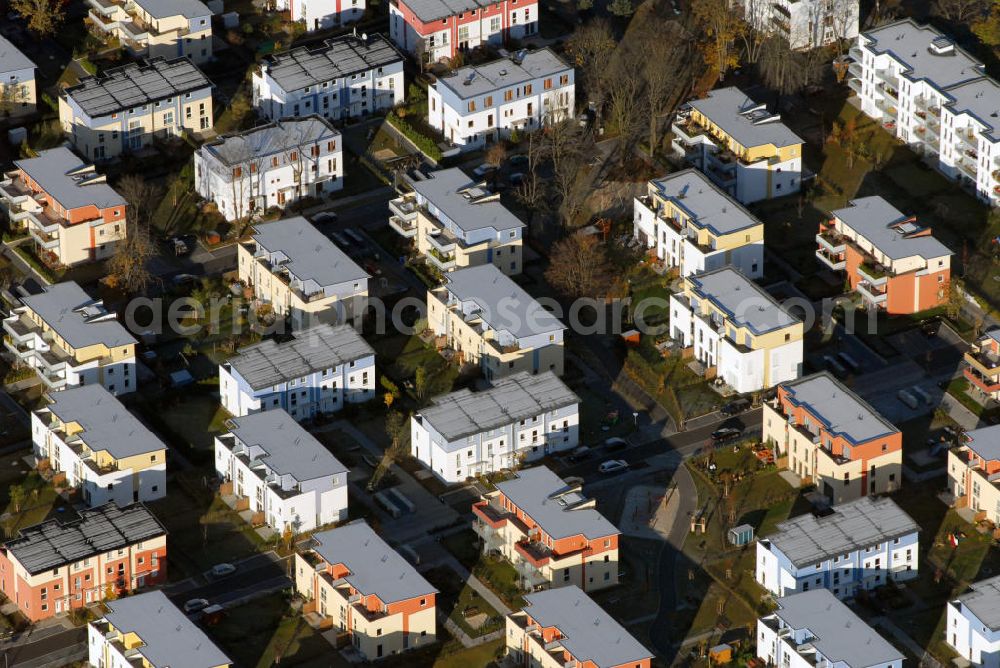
{"x":875,"y":274}
{"x":967,"y":167}
{"x":443,"y":261}
{"x":856,"y":54}
{"x":405,"y":228}
{"x":871,"y":293}
{"x":832,"y":261}
{"x":404,"y":207}
{"x":854,"y":84}
{"x":987,"y":384}
{"x":832,"y":241}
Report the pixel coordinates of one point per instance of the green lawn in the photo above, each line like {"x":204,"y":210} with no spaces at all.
{"x":959,"y":388}
{"x":473,"y":657}
{"x":678,"y":389}
{"x":495,"y":572}
{"x":405,"y":355}
{"x":458,"y":601}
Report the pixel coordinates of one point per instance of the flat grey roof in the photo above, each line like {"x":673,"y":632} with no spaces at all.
{"x":589,"y":633}
{"x":69,"y":180}
{"x":809,"y":539}
{"x":107,"y":424}
{"x":474,"y":80}
{"x":78,"y":318}
{"x":840,"y":635}
{"x":980,"y":99}
{"x":311,"y":255}
{"x":744,"y":302}
{"x":333,"y":59}
{"x":878,"y":221}
{"x":429,"y":10}
{"x":322,"y":347}
{"x":910,"y":44}
{"x":169,"y":638}
{"x":161,"y":9}
{"x":744,"y":120}
{"x":375,"y":568}
{"x":468,"y":203}
{"x":554,"y":506}
{"x":511,"y":399}
{"x":291,"y":450}
{"x":54,"y":543}
{"x":707,"y":205}
{"x":286,"y":134}
{"x":983,"y":600}
{"x":985,"y":442}
{"x":504,"y":304}
{"x":841,"y":411}
{"x":11,"y":58}
{"x":135,"y":85}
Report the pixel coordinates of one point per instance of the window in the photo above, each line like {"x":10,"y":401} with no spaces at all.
{"x":472,"y":107}
{"x":548,"y":84}
{"x":488,"y":101}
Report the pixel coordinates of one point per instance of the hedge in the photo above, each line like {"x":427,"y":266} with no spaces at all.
{"x":424,"y":143}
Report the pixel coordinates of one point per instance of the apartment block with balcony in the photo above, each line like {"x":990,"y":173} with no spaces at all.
{"x":291,"y":482}
{"x":322,"y":14}
{"x":69,"y":339}
{"x":271,"y":166}
{"x":156,"y":28}
{"x":974,"y":472}
{"x":814,"y":628}
{"x":318,"y":372}
{"x":343,"y":77}
{"x":859,"y":546}
{"x":745,"y":149}
{"x":55,"y":567}
{"x":355,"y":583}
{"x":834,"y":439}
{"x":521,"y":417}
{"x":296,"y":271}
{"x":457,"y":222}
{"x":934,"y":96}
{"x":563,"y":627}
{"x":148,"y":630}
{"x":972,"y":627}
{"x":692,"y":226}
{"x":432,"y":30}
{"x":551,"y":533}
{"x":125,"y":109}
{"x":982,"y":365}
{"x":18,"y":90}
{"x":895,"y":264}
{"x":85,"y":434}
{"x":70,"y":211}
{"x":479,"y":105}
{"x":738,"y":332}
{"x":489,"y":321}
{"x":805,"y":24}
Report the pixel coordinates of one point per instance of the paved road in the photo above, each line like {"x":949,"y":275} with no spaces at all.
{"x":47,"y":649}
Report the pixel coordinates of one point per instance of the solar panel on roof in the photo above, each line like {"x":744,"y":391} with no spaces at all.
{"x":135,"y":85}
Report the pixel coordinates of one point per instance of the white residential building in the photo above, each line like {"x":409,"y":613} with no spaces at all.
{"x":322,"y":14}
{"x":739,"y":333}
{"x":860,"y":545}
{"x":521,"y":418}
{"x":973,"y":624}
{"x":318,"y":372}
{"x":103,"y":450}
{"x":156,"y":28}
{"x":291,"y":481}
{"x":69,"y":338}
{"x":274,"y":165}
{"x":805,"y":24}
{"x":17,"y":81}
{"x":481,"y":104}
{"x":814,"y":628}
{"x":691,"y":225}
{"x":934,"y":96}
{"x":344,"y":77}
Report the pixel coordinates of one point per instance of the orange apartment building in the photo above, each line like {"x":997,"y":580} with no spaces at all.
{"x":982,"y":365}
{"x":834,"y":439}
{"x":888,"y":258}
{"x":356,"y":584}
{"x":54,"y":567}
{"x":564,"y":627}
{"x":974,"y":472}
{"x":549,"y":531}
{"x":71,"y":213}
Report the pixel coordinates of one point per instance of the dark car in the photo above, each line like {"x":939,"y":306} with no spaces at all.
{"x":726,"y":434}
{"x":735,"y":407}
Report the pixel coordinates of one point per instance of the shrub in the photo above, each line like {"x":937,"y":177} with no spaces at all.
{"x":425,"y":144}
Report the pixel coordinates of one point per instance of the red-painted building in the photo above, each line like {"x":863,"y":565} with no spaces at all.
{"x":436,"y":29}
{"x":55,"y":566}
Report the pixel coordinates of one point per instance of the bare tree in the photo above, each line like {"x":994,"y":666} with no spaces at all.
{"x":579,"y":267}
{"x":128,"y":268}
{"x":720,"y":27}
{"x":788,"y":71}
{"x":531,"y":191}
{"x":960,"y":11}
{"x":844,"y":18}
{"x":44,"y":16}
{"x":567,"y":147}
{"x":496,"y":155}
{"x":757,"y":15}
{"x":591,"y":46}
{"x":142,"y":197}
{"x":667,"y":72}
{"x":625,"y":108}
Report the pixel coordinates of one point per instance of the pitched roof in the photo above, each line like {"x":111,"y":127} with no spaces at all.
{"x":743,"y":301}
{"x":333,"y":59}
{"x":11,"y":58}
{"x":279,"y":136}
{"x":841,"y":411}
{"x":78,"y":318}
{"x":375,"y":568}
{"x":888,"y":229}
{"x":311,"y":255}
{"x":469,"y":204}
{"x":474,"y":80}
{"x":555,"y":506}
{"x":746,"y":121}
{"x":169,"y":638}
{"x":706,"y":204}
{"x":107,"y":425}
{"x":290,"y":449}
{"x":69,"y":180}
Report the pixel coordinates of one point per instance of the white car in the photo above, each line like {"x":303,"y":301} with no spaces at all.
{"x":221,"y":570}
{"x":482,"y":170}
{"x":613,"y":465}
{"x":195,"y":605}
{"x":325,"y":217}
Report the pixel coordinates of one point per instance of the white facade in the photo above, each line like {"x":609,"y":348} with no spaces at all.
{"x":464,"y":434}
{"x":482,"y":104}
{"x":805,"y":24}
{"x":344,"y":77}
{"x":287,"y":475}
{"x":17,"y":81}
{"x":323,"y":14}
{"x":275,"y":165}
{"x":973,"y":625}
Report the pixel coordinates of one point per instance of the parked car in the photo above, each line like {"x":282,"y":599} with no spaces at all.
{"x":736,"y":406}
{"x":519,"y":159}
{"x":579,"y":454}
{"x":355,"y":236}
{"x":195,"y":605}
{"x":482,"y":170}
{"x":615,"y":443}
{"x":612,"y":466}
{"x":726,"y":434}
{"x":516,"y":179}
{"x":223,"y":569}
{"x":341,"y":240}
{"x":325,"y":217}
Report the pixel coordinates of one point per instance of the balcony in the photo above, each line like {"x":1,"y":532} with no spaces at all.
{"x":833,"y":242}
{"x":872,"y":272}
{"x":404,"y":228}
{"x":871,"y":293}
{"x":832,"y":261}
{"x":405,"y":208}
{"x":688,"y":132}
{"x":886,"y":106}
{"x":46,"y":241}
{"x":856,"y":54}
{"x":967,"y":167}
{"x":443,"y":261}
{"x":887,"y":76}
{"x":967,"y":139}
{"x":441,"y":239}
{"x":856,"y":70}
{"x":889,"y":92}
{"x":854,"y":84}
{"x":986,"y":383}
